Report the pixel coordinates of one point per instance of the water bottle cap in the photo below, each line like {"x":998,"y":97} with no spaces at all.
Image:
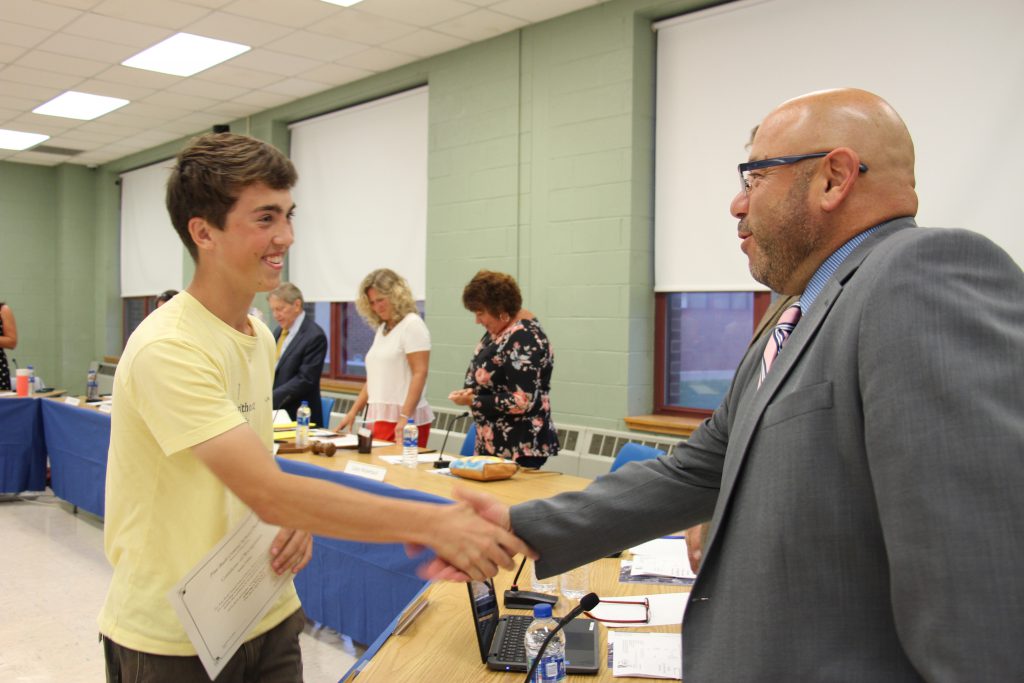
{"x":542,"y":611}
{"x":411,"y":422}
{"x":305,"y":403}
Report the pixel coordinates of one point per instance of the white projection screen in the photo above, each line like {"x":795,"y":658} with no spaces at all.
{"x":954,"y":71}
{"x":151,"y":251}
{"x":361,"y":199}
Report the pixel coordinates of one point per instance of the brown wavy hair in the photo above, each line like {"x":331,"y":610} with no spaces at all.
{"x":493,"y":292}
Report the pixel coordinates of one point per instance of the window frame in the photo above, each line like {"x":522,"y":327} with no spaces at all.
{"x":148,"y":306}
{"x":762,"y":300}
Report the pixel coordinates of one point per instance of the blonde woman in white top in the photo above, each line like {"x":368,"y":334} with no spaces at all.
{"x":397,"y":362}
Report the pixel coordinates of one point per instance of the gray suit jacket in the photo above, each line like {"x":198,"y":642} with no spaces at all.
{"x":867,"y":502}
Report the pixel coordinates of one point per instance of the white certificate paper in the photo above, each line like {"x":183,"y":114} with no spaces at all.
{"x":227,"y":593}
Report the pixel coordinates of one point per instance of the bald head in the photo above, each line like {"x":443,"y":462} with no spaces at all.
{"x":862,"y":122}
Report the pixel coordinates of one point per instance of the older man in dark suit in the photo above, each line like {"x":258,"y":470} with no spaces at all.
{"x":863,"y":475}
{"x":301,"y":348}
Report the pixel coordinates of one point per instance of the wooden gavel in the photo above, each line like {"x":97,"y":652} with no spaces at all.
{"x":325,"y":448}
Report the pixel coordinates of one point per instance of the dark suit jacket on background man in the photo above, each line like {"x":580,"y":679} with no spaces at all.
{"x":297,"y":377}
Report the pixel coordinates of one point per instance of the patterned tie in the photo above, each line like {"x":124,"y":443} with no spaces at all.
{"x":787,"y":321}
{"x":280,"y":343}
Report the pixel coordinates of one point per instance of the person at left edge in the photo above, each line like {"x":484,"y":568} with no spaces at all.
{"x":301,"y":348}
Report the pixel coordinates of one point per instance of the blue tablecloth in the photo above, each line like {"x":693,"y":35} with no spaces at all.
{"x":77,"y":441}
{"x":22,"y":446}
{"x":357,"y":588}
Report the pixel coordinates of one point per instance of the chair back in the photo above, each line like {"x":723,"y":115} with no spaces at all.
{"x":469,"y":445}
{"x":328,"y":405}
{"x":634,"y":451}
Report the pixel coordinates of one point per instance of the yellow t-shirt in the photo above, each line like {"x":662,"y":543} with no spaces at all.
{"x":185,"y":377}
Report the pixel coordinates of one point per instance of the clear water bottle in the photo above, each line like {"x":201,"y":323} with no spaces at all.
{"x":92,"y":387}
{"x":410,"y":443}
{"x":302,"y":426}
{"x":31,"y":380}
{"x":551,"y":668}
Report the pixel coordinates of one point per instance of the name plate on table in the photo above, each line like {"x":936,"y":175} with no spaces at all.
{"x":361,"y":469}
{"x":72,"y":401}
{"x":105,"y":407}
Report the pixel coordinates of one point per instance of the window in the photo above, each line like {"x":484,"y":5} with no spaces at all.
{"x":133,"y":310}
{"x":700,"y":338}
{"x":348,"y":338}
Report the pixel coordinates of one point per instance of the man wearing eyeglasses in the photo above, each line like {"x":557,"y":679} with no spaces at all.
{"x":864,"y":474}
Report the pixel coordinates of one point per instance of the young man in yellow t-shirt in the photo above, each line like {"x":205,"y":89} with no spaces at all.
{"x":191,"y":436}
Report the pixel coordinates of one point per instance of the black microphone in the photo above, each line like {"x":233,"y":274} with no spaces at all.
{"x":441,"y":463}
{"x":517,"y":599}
{"x":587,"y":603}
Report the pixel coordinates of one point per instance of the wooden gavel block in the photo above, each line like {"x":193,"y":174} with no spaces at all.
{"x":324,"y":448}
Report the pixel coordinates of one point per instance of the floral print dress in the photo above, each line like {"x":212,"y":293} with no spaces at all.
{"x":511,"y":378}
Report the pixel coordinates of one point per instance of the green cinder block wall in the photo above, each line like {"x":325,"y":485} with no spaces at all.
{"x":540,"y":164}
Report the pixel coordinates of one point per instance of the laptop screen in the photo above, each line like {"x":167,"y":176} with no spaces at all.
{"x":485,"y":613}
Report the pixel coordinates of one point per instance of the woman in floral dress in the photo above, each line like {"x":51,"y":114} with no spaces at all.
{"x":508,"y":383}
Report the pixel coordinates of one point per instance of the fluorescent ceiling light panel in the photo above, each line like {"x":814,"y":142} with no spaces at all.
{"x":184,"y":54}
{"x":343,"y":3}
{"x":15,"y":139}
{"x":80,"y":105}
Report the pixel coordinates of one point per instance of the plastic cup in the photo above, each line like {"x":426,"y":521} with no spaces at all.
{"x":21,"y":382}
{"x":364,"y":437}
{"x":576,"y":583}
{"x":548,"y":585}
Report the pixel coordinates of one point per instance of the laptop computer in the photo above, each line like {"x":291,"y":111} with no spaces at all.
{"x":501,"y":637}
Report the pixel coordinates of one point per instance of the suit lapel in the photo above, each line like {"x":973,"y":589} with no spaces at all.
{"x":751,"y":406}
{"x":293,"y":344}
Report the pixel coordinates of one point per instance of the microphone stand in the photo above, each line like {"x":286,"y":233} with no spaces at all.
{"x":587,"y":603}
{"x":441,"y":463}
{"x":517,"y":599}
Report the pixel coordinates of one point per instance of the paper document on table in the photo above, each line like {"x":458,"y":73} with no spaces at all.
{"x":420,"y":457}
{"x":669,"y":546}
{"x":646,"y":655}
{"x":227,"y":593}
{"x":652,"y":565}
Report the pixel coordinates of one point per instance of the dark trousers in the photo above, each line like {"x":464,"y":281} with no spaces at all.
{"x":273,"y":657}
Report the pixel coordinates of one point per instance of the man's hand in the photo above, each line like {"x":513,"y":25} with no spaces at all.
{"x":695,"y":545}
{"x":495,"y":513}
{"x":292,"y":550}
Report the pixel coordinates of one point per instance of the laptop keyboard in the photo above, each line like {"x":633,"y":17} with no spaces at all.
{"x":513,"y":643}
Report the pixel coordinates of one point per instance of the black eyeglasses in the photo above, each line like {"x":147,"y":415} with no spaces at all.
{"x":746,"y":168}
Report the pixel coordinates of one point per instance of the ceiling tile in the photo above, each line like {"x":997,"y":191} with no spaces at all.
{"x":26,"y":74}
{"x":111,"y":89}
{"x":139,"y":77}
{"x":239,"y":29}
{"x":230,"y":74}
{"x":378,"y":59}
{"x":211,"y":4}
{"x":77,"y":46}
{"x":22,"y":104}
{"x":154,"y":112}
{"x":28,"y":91}
{"x":297,"y":87}
{"x":76,"y":4}
{"x":262,"y":59}
{"x":263,"y":99}
{"x":481,"y":3}
{"x":119,"y":31}
{"x":21,"y":35}
{"x":316,"y":46}
{"x":232,"y":109}
{"x":94,"y":138}
{"x":8,"y":53}
{"x":295,"y":14}
{"x":422,"y":14}
{"x":49,"y":61}
{"x":207,"y":89}
{"x":47,"y":125}
{"x":37,"y":158}
{"x":539,"y":10}
{"x":362,"y":28}
{"x":176,"y":100}
{"x":39,"y":14}
{"x":425,"y":43}
{"x":165,"y":13}
{"x":333,"y":74}
{"x":479,"y":25}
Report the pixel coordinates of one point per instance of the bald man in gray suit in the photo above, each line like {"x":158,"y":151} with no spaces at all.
{"x":867,"y":497}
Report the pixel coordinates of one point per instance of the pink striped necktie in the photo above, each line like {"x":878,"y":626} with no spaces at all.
{"x":780,"y":333}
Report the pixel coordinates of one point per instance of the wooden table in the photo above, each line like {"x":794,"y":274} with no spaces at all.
{"x":440,"y":645}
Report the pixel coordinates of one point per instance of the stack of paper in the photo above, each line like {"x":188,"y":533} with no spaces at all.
{"x":647,"y":655}
{"x":662,"y":557}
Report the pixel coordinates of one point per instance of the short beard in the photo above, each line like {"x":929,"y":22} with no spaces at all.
{"x":782,"y":256}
